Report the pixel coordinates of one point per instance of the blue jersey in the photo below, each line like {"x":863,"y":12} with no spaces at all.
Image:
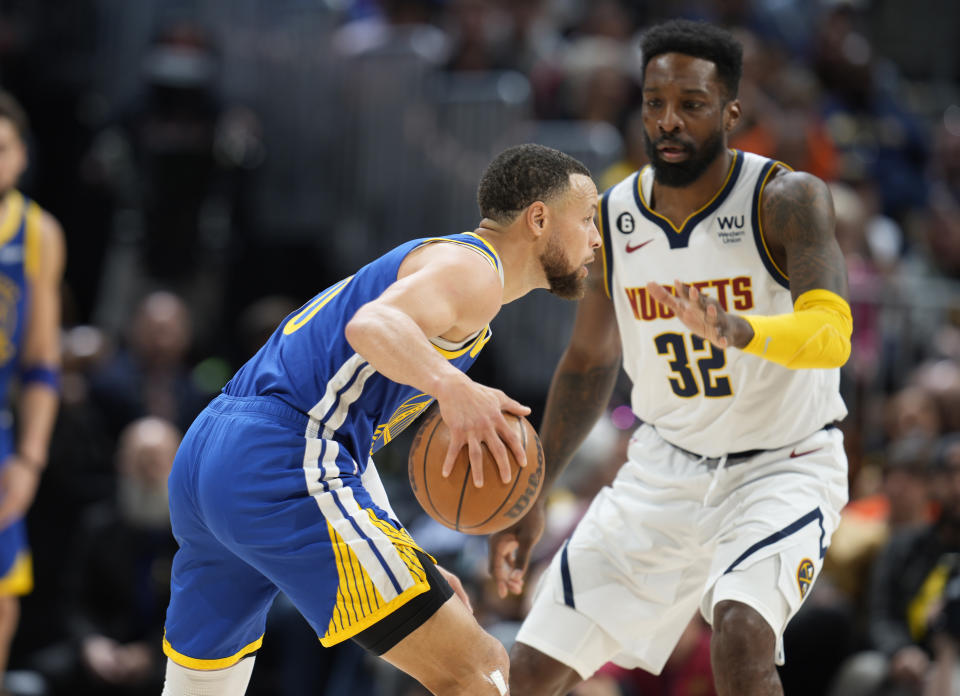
{"x":308,"y":363}
{"x":19,"y":247}
{"x":19,"y":261}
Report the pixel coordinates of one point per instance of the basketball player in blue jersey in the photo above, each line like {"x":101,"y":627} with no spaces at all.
{"x":274,"y":488}
{"x":735,"y":480}
{"x":32,"y":253}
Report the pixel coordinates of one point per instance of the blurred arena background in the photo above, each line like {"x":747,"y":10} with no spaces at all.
{"x":216,"y":162}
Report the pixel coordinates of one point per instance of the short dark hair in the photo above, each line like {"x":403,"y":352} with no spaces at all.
{"x":11,"y":110}
{"x":521,"y":175}
{"x":700,"y":40}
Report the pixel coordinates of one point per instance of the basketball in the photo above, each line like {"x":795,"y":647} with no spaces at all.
{"x":455,"y":501}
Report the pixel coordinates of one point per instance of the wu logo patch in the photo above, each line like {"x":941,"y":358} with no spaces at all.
{"x":626,"y":223}
{"x":805,"y":573}
{"x":730,"y":228}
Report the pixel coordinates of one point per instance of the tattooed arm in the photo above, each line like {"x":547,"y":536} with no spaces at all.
{"x":583,"y":381}
{"x":579,"y":394}
{"x":797,"y":220}
{"x":797,"y":224}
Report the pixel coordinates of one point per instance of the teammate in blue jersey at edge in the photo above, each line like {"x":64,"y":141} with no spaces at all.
{"x":32,"y":256}
{"x":273,"y":487}
{"x":735,"y":480}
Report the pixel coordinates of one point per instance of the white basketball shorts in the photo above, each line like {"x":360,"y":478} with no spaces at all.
{"x":676,"y":533}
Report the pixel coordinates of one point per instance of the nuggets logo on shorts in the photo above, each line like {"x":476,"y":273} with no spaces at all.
{"x":805,"y":573}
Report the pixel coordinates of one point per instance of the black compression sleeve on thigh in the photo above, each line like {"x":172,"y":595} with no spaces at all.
{"x":396,"y":626}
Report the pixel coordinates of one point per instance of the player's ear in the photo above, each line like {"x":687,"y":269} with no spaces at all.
{"x":731,"y":114}
{"x":536,"y":217}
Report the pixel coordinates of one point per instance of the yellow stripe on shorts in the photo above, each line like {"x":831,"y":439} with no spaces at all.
{"x":359,"y":603}
{"x":19,"y":579}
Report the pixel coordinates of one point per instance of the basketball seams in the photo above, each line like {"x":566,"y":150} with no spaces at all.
{"x":461,"y":505}
{"x":509,"y":496}
{"x":426,"y":455}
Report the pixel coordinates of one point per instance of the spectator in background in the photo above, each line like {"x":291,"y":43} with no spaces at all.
{"x":81,"y":473}
{"x":32,"y":255}
{"x":876,"y":137}
{"x":171,"y":161}
{"x":119,"y":577}
{"x":634,"y":152}
{"x":906,"y":593}
{"x":150,"y":375}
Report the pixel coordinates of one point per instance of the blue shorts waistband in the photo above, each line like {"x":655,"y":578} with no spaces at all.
{"x":266,"y":405}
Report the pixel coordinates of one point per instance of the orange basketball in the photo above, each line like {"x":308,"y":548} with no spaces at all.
{"x":455,"y":501}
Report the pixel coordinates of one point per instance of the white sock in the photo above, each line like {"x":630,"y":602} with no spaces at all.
{"x":232,"y":681}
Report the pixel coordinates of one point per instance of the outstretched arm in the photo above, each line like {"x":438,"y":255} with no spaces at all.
{"x":579,"y":394}
{"x":40,"y":365}
{"x":798,"y":225}
{"x":442,"y":290}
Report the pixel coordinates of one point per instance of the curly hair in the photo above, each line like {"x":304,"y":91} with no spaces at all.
{"x":700,"y":40}
{"x":521,"y":175}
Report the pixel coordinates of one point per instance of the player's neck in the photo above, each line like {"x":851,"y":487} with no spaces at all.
{"x":678,"y":203}
{"x":504,"y":242}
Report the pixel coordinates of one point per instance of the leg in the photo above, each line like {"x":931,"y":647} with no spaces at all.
{"x":16,"y":580}
{"x":742,"y":652}
{"x":535,"y":674}
{"x":9,"y":617}
{"x":452,"y":656}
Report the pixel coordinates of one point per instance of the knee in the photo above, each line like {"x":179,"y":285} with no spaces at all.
{"x":486,"y":672}
{"x":740,"y":630}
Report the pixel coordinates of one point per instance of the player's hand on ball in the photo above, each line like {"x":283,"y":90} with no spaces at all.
{"x":474,"y":415}
{"x":510,"y":550}
{"x":703,"y":315}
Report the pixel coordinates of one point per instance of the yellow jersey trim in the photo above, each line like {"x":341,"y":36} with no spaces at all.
{"x":679,"y":230}
{"x":220,"y":663}
{"x":489,"y":252}
{"x":31,"y":241}
{"x":474,"y":346}
{"x":19,"y":579}
{"x":493,"y":250}
{"x":763,"y":237}
{"x":8,"y":227}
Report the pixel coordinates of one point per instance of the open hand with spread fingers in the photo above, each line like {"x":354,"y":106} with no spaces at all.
{"x":703,"y":315}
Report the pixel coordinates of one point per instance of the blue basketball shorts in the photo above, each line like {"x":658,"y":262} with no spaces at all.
{"x":258,"y":506}
{"x":16,"y":563}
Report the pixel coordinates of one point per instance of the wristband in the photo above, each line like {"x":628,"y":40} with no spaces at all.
{"x":41,"y":374}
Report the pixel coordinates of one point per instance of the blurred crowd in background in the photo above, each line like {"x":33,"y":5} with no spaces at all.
{"x":215,"y":163}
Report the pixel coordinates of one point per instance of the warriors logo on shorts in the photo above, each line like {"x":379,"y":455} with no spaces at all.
{"x":805,"y":576}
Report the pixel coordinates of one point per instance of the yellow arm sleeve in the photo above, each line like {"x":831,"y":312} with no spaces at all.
{"x":816,"y":335}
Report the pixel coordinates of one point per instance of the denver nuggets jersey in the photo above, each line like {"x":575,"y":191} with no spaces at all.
{"x":698,"y":397}
{"x":309,"y":364}
{"x":19,"y":256}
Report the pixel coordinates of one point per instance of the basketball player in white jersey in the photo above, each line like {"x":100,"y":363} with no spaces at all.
{"x":735,"y":480}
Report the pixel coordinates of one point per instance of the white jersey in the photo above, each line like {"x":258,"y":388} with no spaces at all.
{"x":698,"y":397}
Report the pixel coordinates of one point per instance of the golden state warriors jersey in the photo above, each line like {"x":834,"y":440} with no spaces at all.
{"x":309,"y":364}
{"x":19,"y":257}
{"x":698,"y":397}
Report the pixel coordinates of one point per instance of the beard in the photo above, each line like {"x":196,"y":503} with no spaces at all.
{"x":680,"y":174}
{"x":563,"y":282}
